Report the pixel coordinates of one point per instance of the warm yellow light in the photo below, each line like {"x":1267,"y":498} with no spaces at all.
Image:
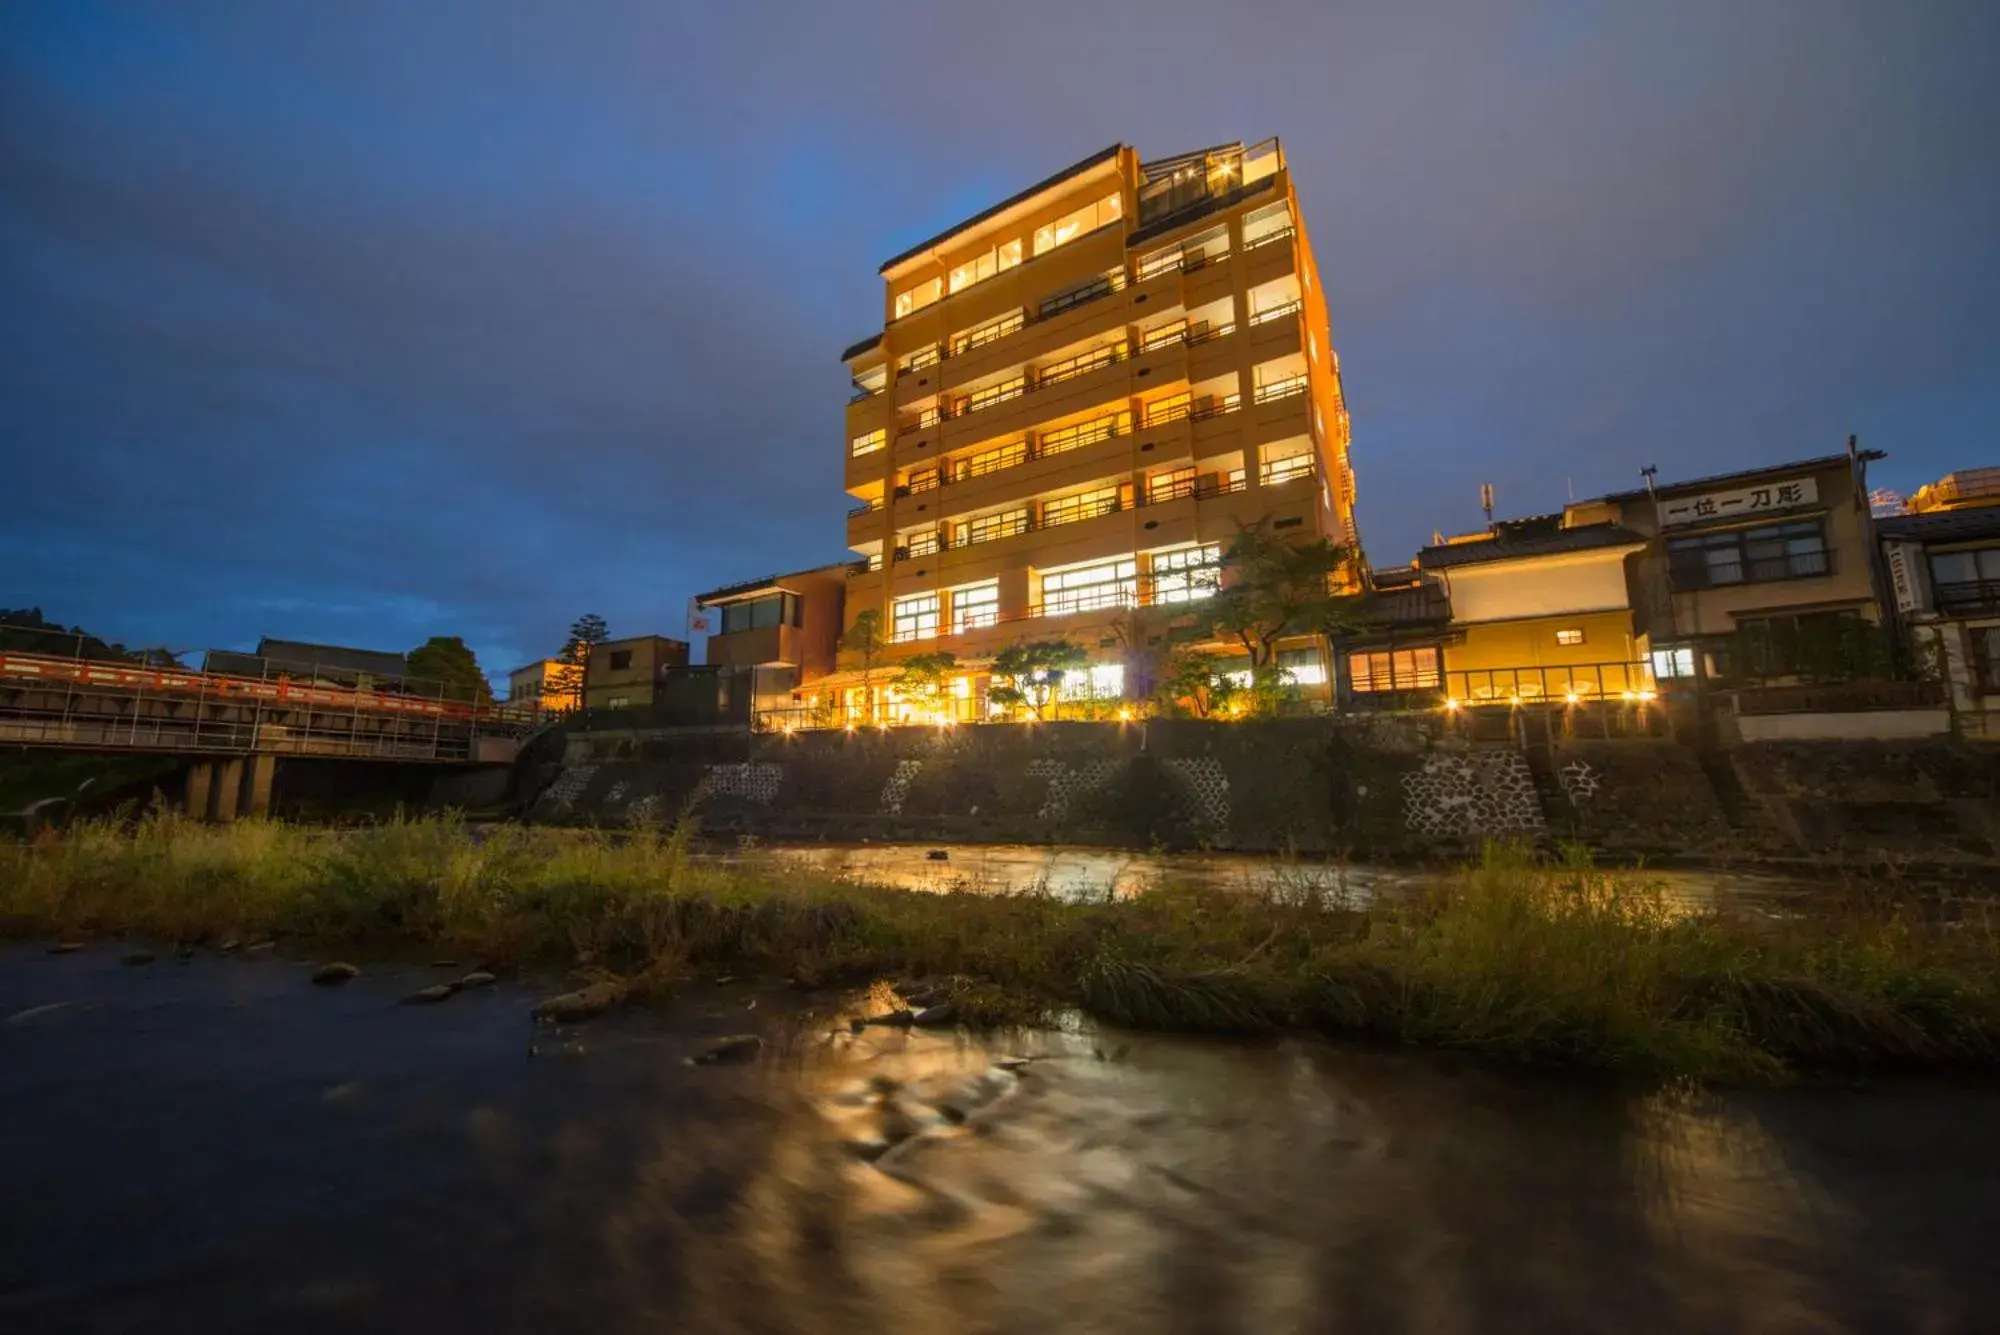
{"x":1451,"y":706}
{"x":1513,"y":699}
{"x":1645,"y":695}
{"x":1570,"y":696}
{"x":850,"y":727}
{"x":1124,"y":716}
{"x":1625,"y":695}
{"x":790,"y":729}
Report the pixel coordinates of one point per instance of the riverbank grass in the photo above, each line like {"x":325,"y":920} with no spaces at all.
{"x":1553,"y":963}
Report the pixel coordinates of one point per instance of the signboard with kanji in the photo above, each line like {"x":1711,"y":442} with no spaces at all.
{"x":1741,"y":503}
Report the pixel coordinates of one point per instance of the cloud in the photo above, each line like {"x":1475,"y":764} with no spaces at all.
{"x":372,"y":323}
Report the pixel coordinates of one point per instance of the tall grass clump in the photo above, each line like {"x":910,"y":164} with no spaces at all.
{"x":1547,"y":961}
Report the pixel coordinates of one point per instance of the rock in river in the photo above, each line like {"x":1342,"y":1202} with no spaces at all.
{"x":569,"y":1007}
{"x":942,"y":1013}
{"x":477,"y":978}
{"x":329,"y":975}
{"x":65,"y":947}
{"x":735,"y":1048}
{"x":429,"y":996}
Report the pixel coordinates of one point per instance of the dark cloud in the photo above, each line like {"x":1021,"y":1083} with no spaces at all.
{"x":372,"y":322}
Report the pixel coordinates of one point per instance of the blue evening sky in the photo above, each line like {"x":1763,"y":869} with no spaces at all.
{"x":364,"y":322}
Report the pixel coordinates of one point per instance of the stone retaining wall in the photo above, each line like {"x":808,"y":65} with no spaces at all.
{"x":1377,"y":787}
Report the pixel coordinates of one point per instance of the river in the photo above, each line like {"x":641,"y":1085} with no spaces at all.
{"x":218,"y":1146}
{"x":1074,"y":873}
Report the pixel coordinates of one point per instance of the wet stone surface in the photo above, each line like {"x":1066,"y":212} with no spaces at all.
{"x":218,"y":1148}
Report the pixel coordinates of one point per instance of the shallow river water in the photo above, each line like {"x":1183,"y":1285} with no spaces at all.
{"x":219,"y":1146}
{"x":1099,"y":873}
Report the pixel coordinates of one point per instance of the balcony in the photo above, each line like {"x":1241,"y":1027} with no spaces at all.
{"x":1973,"y":597}
{"x":1163,"y":489}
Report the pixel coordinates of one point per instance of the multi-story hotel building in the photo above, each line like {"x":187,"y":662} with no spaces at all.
{"x":1077,"y":397}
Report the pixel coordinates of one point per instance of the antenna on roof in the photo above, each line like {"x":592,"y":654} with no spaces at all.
{"x":1647,"y":473}
{"x":1486,"y":501}
{"x":1569,"y":489}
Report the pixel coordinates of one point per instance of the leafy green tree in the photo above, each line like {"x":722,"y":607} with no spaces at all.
{"x":925,"y":681}
{"x":864,"y":640}
{"x":1029,"y":675}
{"x":1193,"y":684}
{"x":1279,"y":590}
{"x":446,"y":662}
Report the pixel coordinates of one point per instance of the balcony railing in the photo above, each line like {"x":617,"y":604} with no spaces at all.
{"x":1275,"y":471}
{"x":1269,"y":238}
{"x":1281,"y":389}
{"x":1186,"y":405}
{"x":1055,"y":514}
{"x":1083,"y":363}
{"x":1961,"y":597}
{"x":1081,"y":295}
{"x":866,"y":508}
{"x":921,"y":422}
{"x":1065,"y":439}
{"x":1753,"y":570}
{"x":1183,"y":332}
{"x":1276,"y":312}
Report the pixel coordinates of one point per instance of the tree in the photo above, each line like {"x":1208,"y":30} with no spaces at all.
{"x":585,"y":633}
{"x":1280,"y":590}
{"x":925,"y":681}
{"x":444,"y":660}
{"x":1193,"y":683}
{"x":25,"y":630}
{"x":864,"y":640}
{"x":1029,"y":675}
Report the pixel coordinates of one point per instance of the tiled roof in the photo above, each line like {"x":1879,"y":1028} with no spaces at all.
{"x":1410,"y":605}
{"x":1968,"y":525}
{"x":1741,"y":475}
{"x":1511,"y":547}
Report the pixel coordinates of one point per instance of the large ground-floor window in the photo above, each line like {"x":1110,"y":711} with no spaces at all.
{"x":1394,"y":670}
{"x":915,"y":617}
{"x":1091,"y":588}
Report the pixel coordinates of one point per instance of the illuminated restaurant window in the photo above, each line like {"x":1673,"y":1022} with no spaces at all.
{"x":915,"y":617}
{"x":918,"y":297}
{"x":1394,"y":670}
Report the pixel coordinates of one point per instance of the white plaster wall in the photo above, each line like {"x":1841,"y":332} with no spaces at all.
{"x":1583,"y":582}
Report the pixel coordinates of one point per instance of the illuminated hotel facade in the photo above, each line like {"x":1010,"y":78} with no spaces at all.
{"x":1078,"y":396}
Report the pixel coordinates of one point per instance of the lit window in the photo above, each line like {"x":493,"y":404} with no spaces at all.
{"x":1569,"y":637}
{"x":1188,"y":574}
{"x":915,"y":617}
{"x":1091,"y":588}
{"x":1083,"y":505}
{"x":1302,"y":667}
{"x":1078,"y":223}
{"x":982,"y":267}
{"x":1674,"y":662}
{"x":918,"y":297}
{"x":918,"y":360}
{"x":974,"y":606}
{"x":1394,"y":670}
{"x":989,"y":528}
{"x":871,"y":442}
{"x":1103,"y":681}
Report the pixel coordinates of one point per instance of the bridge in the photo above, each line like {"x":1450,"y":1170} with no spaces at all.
{"x":236,"y":727}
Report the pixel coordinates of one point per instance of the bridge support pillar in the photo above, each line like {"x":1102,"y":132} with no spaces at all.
{"x":258,"y":772}
{"x":200,"y":782}
{"x":226,"y":790}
